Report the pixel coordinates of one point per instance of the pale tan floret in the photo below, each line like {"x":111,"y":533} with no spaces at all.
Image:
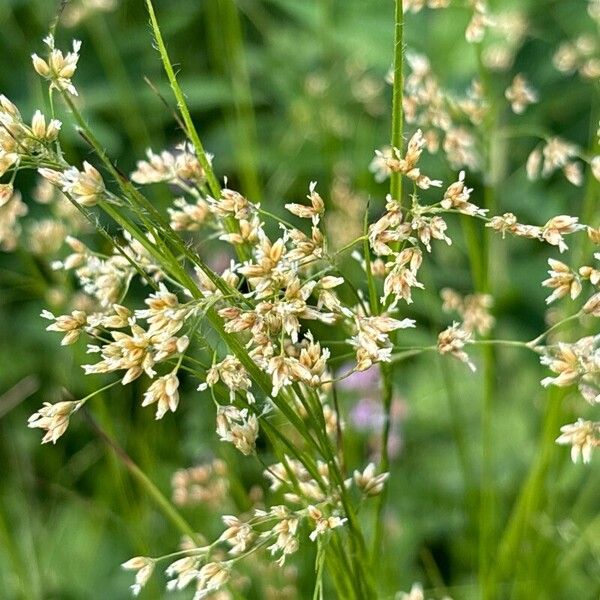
{"x":71,"y":325}
{"x":7,"y":160}
{"x":570,"y":362}
{"x":460,"y":148}
{"x":231,"y":372}
{"x":580,"y":55}
{"x":592,"y":305}
{"x":135,"y":353}
{"x":54,"y":419}
{"x":59,"y":68}
{"x":239,"y":535}
{"x":188,"y":217}
{"x":164,"y":393}
{"x":369,"y":483}
{"x":237,"y":427}
{"x":42,"y":131}
{"x":474,"y":310}
{"x":583,"y":436}
{"x":286,"y":531}
{"x":85,"y":187}
{"x":520,"y":94}
{"x":453,"y":340}
{"x":428,"y":228}
{"x":183,"y":571}
{"x":322,"y":523}
{"x":479,"y":22}
{"x":211,"y":577}
{"x":314,"y":211}
{"x":168,"y":167}
{"x":231,"y":204}
{"x":46,"y":236}
{"x":371,"y":340}
{"x":165,"y":315}
{"x":203,"y":484}
{"x":402,"y":276}
{"x":407,"y":165}
{"x":144,"y":568}
{"x":556,"y":154}
{"x":534,"y":164}
{"x":562,"y":280}
{"x":457,"y":197}
{"x":554,"y":230}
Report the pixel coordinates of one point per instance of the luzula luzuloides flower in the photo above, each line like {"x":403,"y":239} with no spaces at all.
{"x":71,"y":325}
{"x":163,"y":392}
{"x":369,"y":483}
{"x":583,"y":436}
{"x":520,"y":94}
{"x":85,"y":187}
{"x":453,"y":340}
{"x":144,"y":567}
{"x":58,"y":68}
{"x":168,"y":167}
{"x":53,"y":418}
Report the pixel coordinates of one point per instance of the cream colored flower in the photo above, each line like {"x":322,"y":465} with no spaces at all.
{"x":163,"y":392}
{"x":211,"y":577}
{"x":144,"y":568}
{"x":457,"y":197}
{"x":582,"y":436}
{"x":58,"y":68}
{"x":237,"y":427}
{"x":71,"y":325}
{"x":453,"y":340}
{"x":520,"y":94}
{"x":322,"y":523}
{"x":314,"y":211}
{"x":54,"y":418}
{"x":369,"y":483}
{"x":562,"y":280}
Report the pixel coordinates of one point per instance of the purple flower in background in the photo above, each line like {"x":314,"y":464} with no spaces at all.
{"x":363,"y":381}
{"x":367,"y":415}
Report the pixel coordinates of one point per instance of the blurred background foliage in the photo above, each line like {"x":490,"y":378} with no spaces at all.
{"x":285,"y":92}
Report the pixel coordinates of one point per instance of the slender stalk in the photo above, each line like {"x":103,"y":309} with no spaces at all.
{"x":397,"y":116}
{"x":387,"y":371}
{"x":384,"y":462}
{"x":213,"y":183}
{"x":487,"y":507}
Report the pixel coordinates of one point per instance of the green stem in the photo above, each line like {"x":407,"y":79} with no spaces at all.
{"x":387,"y":370}
{"x":384,"y":462}
{"x":397,"y":116}
{"x":487,"y":508}
{"x":213,"y":183}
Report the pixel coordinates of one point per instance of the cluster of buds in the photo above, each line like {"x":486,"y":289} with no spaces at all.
{"x":407,"y":165}
{"x":54,"y":419}
{"x":453,"y":340}
{"x":85,"y":187}
{"x":167,"y":167}
{"x":237,"y":427}
{"x":203,"y":484}
{"x":58,"y":68}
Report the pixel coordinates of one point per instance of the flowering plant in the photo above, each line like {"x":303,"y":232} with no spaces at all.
{"x":264,"y":336}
